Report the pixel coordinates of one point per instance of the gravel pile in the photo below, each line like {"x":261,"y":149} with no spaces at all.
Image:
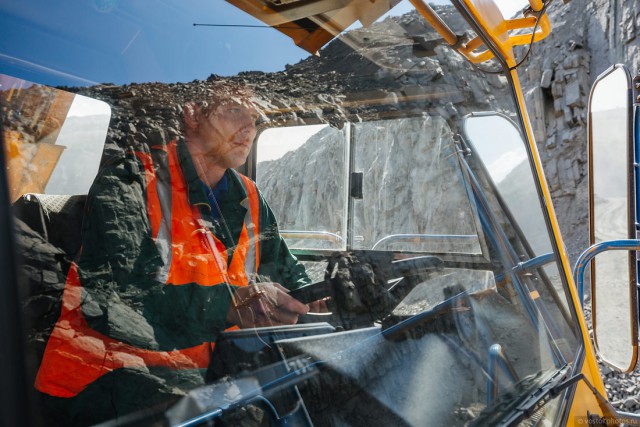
{"x":623,"y":390}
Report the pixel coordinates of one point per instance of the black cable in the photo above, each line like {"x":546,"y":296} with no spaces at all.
{"x":533,"y":34}
{"x":195,"y":24}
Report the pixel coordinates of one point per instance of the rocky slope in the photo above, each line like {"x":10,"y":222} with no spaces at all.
{"x":587,"y":38}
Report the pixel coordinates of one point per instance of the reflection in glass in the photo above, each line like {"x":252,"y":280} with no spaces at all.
{"x":397,"y":331}
{"x":609,"y":177}
{"x":53,"y":138}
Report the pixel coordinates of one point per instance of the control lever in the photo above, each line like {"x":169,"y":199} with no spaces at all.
{"x":400,"y":268}
{"x":312,"y":292}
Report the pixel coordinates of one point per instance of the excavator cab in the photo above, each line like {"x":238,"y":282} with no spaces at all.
{"x":397,"y":159}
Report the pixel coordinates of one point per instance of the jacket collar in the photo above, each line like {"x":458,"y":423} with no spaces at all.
{"x":197,"y":193}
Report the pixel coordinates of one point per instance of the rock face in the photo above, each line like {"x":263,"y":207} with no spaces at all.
{"x":587,"y":38}
{"x":320,"y":172}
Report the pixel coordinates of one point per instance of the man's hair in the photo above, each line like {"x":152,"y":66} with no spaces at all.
{"x":222,"y":93}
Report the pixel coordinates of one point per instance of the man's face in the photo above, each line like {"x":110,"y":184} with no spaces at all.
{"x":228,"y":132}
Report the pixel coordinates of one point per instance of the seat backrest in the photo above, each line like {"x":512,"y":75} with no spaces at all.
{"x":48,"y":230}
{"x":57,"y":218}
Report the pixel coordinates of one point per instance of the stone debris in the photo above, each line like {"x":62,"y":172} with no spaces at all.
{"x":623,"y":390}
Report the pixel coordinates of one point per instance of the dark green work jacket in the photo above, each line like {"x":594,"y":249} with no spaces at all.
{"x":119,"y":260}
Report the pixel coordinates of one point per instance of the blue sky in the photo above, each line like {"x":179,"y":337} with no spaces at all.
{"x":83,"y":42}
{"x":133,"y":40}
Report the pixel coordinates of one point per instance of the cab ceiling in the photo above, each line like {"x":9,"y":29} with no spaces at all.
{"x":312,"y":24}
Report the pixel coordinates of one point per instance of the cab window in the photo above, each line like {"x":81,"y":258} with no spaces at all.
{"x":318,"y":183}
{"x":414,"y":155}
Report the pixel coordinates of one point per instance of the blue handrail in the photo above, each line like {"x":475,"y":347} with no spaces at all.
{"x":591,"y":252}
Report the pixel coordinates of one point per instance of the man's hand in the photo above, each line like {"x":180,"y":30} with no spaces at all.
{"x":319,"y":306}
{"x":264,"y":304}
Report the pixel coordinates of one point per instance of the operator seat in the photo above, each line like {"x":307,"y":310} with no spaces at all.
{"x":48,"y":232}
{"x":57,"y":218}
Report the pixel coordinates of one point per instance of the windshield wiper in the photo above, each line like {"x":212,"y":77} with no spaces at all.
{"x":527,"y":397}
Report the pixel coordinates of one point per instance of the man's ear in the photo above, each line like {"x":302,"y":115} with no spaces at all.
{"x":190,"y":113}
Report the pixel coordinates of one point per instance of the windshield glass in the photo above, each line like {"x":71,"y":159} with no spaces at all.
{"x":265,"y":226}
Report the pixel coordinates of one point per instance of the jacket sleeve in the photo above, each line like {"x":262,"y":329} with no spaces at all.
{"x":118,"y":264}
{"x":276,"y":260}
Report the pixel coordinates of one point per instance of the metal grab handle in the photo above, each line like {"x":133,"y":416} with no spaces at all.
{"x":419,"y":238}
{"x":591,"y":252}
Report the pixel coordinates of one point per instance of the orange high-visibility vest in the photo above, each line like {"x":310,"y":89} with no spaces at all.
{"x":181,"y":228}
{"x":76,"y":355}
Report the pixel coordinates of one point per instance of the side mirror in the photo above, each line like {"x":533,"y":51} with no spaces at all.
{"x":612,"y":209}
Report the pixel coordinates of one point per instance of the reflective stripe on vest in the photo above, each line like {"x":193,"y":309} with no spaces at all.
{"x":76,"y":355}
{"x":250,"y":244}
